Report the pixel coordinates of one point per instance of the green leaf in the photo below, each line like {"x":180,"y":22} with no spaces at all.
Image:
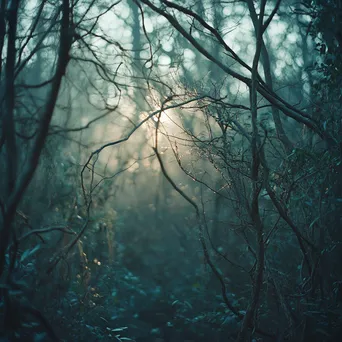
{"x":117,"y":329}
{"x":29,"y":252}
{"x":39,"y":337}
{"x":314,"y":221}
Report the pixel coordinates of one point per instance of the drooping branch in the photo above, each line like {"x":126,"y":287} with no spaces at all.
{"x":214,"y":269}
{"x":134,"y":129}
{"x":261,"y":87}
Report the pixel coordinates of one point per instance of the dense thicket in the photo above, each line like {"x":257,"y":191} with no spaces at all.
{"x":171,"y":171}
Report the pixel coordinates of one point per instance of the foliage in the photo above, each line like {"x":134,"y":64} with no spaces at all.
{"x":172,"y":171}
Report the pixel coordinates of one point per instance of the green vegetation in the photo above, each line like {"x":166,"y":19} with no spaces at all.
{"x":170,"y":170}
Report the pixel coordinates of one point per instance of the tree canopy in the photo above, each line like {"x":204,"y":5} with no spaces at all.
{"x":171,"y":170}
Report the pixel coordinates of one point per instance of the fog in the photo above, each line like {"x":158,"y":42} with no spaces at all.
{"x":171,"y":171}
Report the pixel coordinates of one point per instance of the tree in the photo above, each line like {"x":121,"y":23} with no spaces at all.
{"x":36,"y":47}
{"x":229,"y":92}
{"x":263,"y":172}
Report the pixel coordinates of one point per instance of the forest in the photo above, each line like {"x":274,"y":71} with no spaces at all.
{"x":171,"y":171}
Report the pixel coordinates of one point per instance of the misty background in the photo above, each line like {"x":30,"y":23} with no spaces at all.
{"x":170,"y":171}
